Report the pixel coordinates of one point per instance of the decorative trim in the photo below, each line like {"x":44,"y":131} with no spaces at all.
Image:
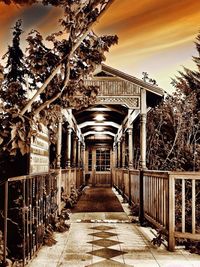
{"x":130,"y":102}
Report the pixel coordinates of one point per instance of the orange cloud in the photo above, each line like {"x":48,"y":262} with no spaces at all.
{"x":154,"y":35}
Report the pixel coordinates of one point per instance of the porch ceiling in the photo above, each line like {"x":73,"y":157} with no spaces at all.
{"x":118,"y":92}
{"x":113,"y":116}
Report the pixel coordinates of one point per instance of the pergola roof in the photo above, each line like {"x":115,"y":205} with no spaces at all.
{"x":114,"y":114}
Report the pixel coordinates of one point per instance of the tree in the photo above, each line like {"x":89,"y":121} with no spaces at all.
{"x":57,"y":73}
{"x":14,"y":72}
{"x":173,"y":126}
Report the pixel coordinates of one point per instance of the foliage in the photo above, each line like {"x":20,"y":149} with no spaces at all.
{"x":62,"y":224}
{"x":173,"y":127}
{"x":15,"y":130}
{"x":159,"y":239}
{"x":48,"y":239}
{"x":71,"y":201}
{"x":56,"y":68}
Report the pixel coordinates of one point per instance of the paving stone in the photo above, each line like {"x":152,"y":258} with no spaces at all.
{"x":108,"y":263}
{"x":106,"y":253}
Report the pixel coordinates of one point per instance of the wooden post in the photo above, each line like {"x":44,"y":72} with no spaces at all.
{"x":123,"y":150}
{"x":69,"y":135}
{"x":141,"y":188}
{"x":59,"y":143}
{"x":119,"y":154}
{"x":129,"y":188}
{"x":58,"y":163}
{"x":79,"y":153}
{"x":171,"y":224}
{"x":130,"y":147}
{"x":115,"y":155}
{"x":74,"y":150}
{"x":143,"y":133}
{"x":84,"y":164}
{"x":5,"y":223}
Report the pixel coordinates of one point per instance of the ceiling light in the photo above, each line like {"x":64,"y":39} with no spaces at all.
{"x":99,"y":129}
{"x":99,"y":117}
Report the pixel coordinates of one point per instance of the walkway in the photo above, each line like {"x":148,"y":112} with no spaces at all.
{"x":106,"y":239}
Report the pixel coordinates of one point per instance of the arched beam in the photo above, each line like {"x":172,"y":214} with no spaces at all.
{"x":98,"y":133}
{"x":93,"y":123}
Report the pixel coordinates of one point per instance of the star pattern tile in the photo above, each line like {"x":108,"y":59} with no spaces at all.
{"x":105,"y":242}
{"x":107,"y":253}
{"x":103,"y":234}
{"x":108,"y":263}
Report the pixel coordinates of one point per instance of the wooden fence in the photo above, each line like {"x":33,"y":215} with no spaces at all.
{"x":71,"y":178}
{"x":28,"y":205}
{"x":165,"y":199}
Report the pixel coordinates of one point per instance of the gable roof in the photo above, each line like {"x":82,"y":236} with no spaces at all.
{"x":149,"y":87}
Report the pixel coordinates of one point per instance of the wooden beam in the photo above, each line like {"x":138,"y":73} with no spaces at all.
{"x":93,"y":123}
{"x":98,"y":133}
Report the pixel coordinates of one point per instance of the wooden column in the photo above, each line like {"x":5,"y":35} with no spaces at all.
{"x":84,"y":163}
{"x":123,"y":150}
{"x":119,"y":154}
{"x":74,"y":150}
{"x":143,"y":134}
{"x":130,"y":147}
{"x":79,"y":153}
{"x":69,"y":141}
{"x":58,"y":163}
{"x":59,"y":143}
{"x":82,"y":154}
{"x":114,"y":155}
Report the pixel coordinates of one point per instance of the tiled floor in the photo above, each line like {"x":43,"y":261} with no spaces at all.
{"x":106,"y":240}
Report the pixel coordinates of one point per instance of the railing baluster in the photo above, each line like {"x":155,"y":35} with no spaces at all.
{"x":183,"y":205}
{"x":24,"y":221}
{"x":164,"y":203}
{"x":193,"y":207}
{"x":171,"y":238}
{"x":31,"y":217}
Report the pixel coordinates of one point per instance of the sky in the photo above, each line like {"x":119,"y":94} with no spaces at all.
{"x":155,"y":36}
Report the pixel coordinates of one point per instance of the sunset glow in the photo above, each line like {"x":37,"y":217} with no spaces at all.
{"x":156,"y":36}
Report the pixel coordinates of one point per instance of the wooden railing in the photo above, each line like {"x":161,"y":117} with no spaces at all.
{"x":165,"y":200}
{"x":71,"y":178}
{"x":127,"y":182}
{"x":174,"y":198}
{"x":28,"y":205}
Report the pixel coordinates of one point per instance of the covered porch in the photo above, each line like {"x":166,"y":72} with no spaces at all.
{"x":103,"y":146}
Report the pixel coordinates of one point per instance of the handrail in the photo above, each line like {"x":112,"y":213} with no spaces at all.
{"x":30,"y":176}
{"x":160,"y":195}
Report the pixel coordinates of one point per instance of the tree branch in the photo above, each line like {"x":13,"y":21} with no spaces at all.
{"x":175,"y":139}
{"x":76,"y":45}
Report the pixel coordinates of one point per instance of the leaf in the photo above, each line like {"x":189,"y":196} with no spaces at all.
{"x":13,"y":132}
{"x":22,"y":147}
{"x":21,"y":135}
{"x":1,"y":140}
{"x":13,"y":152}
{"x":14,"y":145}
